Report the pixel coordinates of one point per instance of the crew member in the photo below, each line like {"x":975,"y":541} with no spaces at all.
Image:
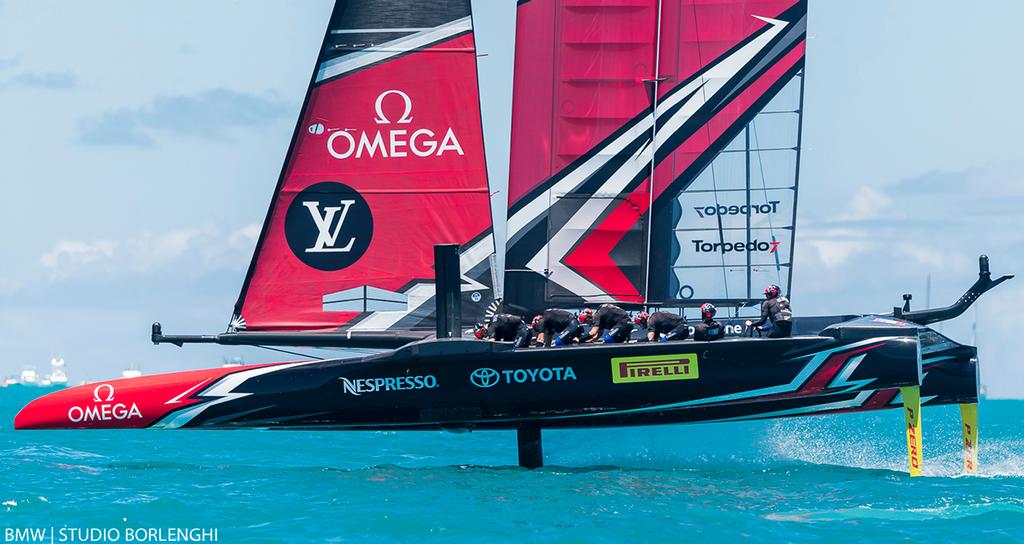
{"x":506,"y":328}
{"x":776,"y":309}
{"x":708,"y":329}
{"x":663,"y":326}
{"x":557,"y":326}
{"x":610,"y":323}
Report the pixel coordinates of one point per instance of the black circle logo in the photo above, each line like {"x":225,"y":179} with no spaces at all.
{"x":328,"y":226}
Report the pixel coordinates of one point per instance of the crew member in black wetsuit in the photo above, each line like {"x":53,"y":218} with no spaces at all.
{"x":776,"y":309}
{"x":558,"y":327}
{"x":610,"y":323}
{"x":506,"y":328}
{"x":663,"y":326}
{"x":708,"y":329}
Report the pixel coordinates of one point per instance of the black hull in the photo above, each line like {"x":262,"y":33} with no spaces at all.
{"x":556,"y":387}
{"x":464,"y":385}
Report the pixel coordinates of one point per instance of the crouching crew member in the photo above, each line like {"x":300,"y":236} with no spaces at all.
{"x":610,"y":323}
{"x":558,"y":327}
{"x":776,"y":309}
{"x":663,"y":326}
{"x":708,"y":329}
{"x":506,"y":328}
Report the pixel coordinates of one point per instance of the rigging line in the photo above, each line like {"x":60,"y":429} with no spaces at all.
{"x":746,"y":187}
{"x":764,"y":188}
{"x":707,"y":129}
{"x":654,"y":153}
{"x":760,"y":167}
{"x":796,"y":177}
{"x":290,"y":352}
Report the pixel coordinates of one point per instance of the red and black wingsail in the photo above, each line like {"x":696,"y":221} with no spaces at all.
{"x":387,"y":161}
{"x":617,"y":108}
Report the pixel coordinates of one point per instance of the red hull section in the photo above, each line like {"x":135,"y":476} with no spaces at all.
{"x":118,"y":404}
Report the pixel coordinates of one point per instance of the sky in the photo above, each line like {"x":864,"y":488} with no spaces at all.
{"x":140,"y":143}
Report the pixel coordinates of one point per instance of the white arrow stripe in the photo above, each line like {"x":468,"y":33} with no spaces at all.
{"x":177,"y":399}
{"x":370,"y":55}
{"x":223,"y":389}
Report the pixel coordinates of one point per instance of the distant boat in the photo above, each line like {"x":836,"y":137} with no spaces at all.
{"x":234,"y":362}
{"x":29,"y":376}
{"x":57,"y":375}
{"x":131,"y":372}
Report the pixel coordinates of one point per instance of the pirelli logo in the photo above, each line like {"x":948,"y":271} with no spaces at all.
{"x":654,"y":368}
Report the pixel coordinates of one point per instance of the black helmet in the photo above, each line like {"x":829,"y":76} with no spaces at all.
{"x":708,"y":310}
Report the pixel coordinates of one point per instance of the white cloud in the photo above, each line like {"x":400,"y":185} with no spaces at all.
{"x":150,"y":250}
{"x":929,"y":257}
{"x":1001,"y":180}
{"x":211,"y":114}
{"x":9,"y":285}
{"x":189,"y":251}
{"x":867,"y":203}
{"x":42,"y":80}
{"x":69,"y":256}
{"x":831,"y":247}
{"x":245,"y":235}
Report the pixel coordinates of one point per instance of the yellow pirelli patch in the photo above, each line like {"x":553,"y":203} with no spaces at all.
{"x":654,"y":368}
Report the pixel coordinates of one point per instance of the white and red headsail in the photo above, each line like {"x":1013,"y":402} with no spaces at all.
{"x":387,"y":161}
{"x":618,"y":109}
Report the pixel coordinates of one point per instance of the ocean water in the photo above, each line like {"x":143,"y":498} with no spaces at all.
{"x":840,"y":478}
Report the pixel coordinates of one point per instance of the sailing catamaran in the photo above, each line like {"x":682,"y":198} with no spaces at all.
{"x":655,"y":151}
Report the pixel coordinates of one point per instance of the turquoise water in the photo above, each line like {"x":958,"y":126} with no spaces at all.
{"x":836,"y":477}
